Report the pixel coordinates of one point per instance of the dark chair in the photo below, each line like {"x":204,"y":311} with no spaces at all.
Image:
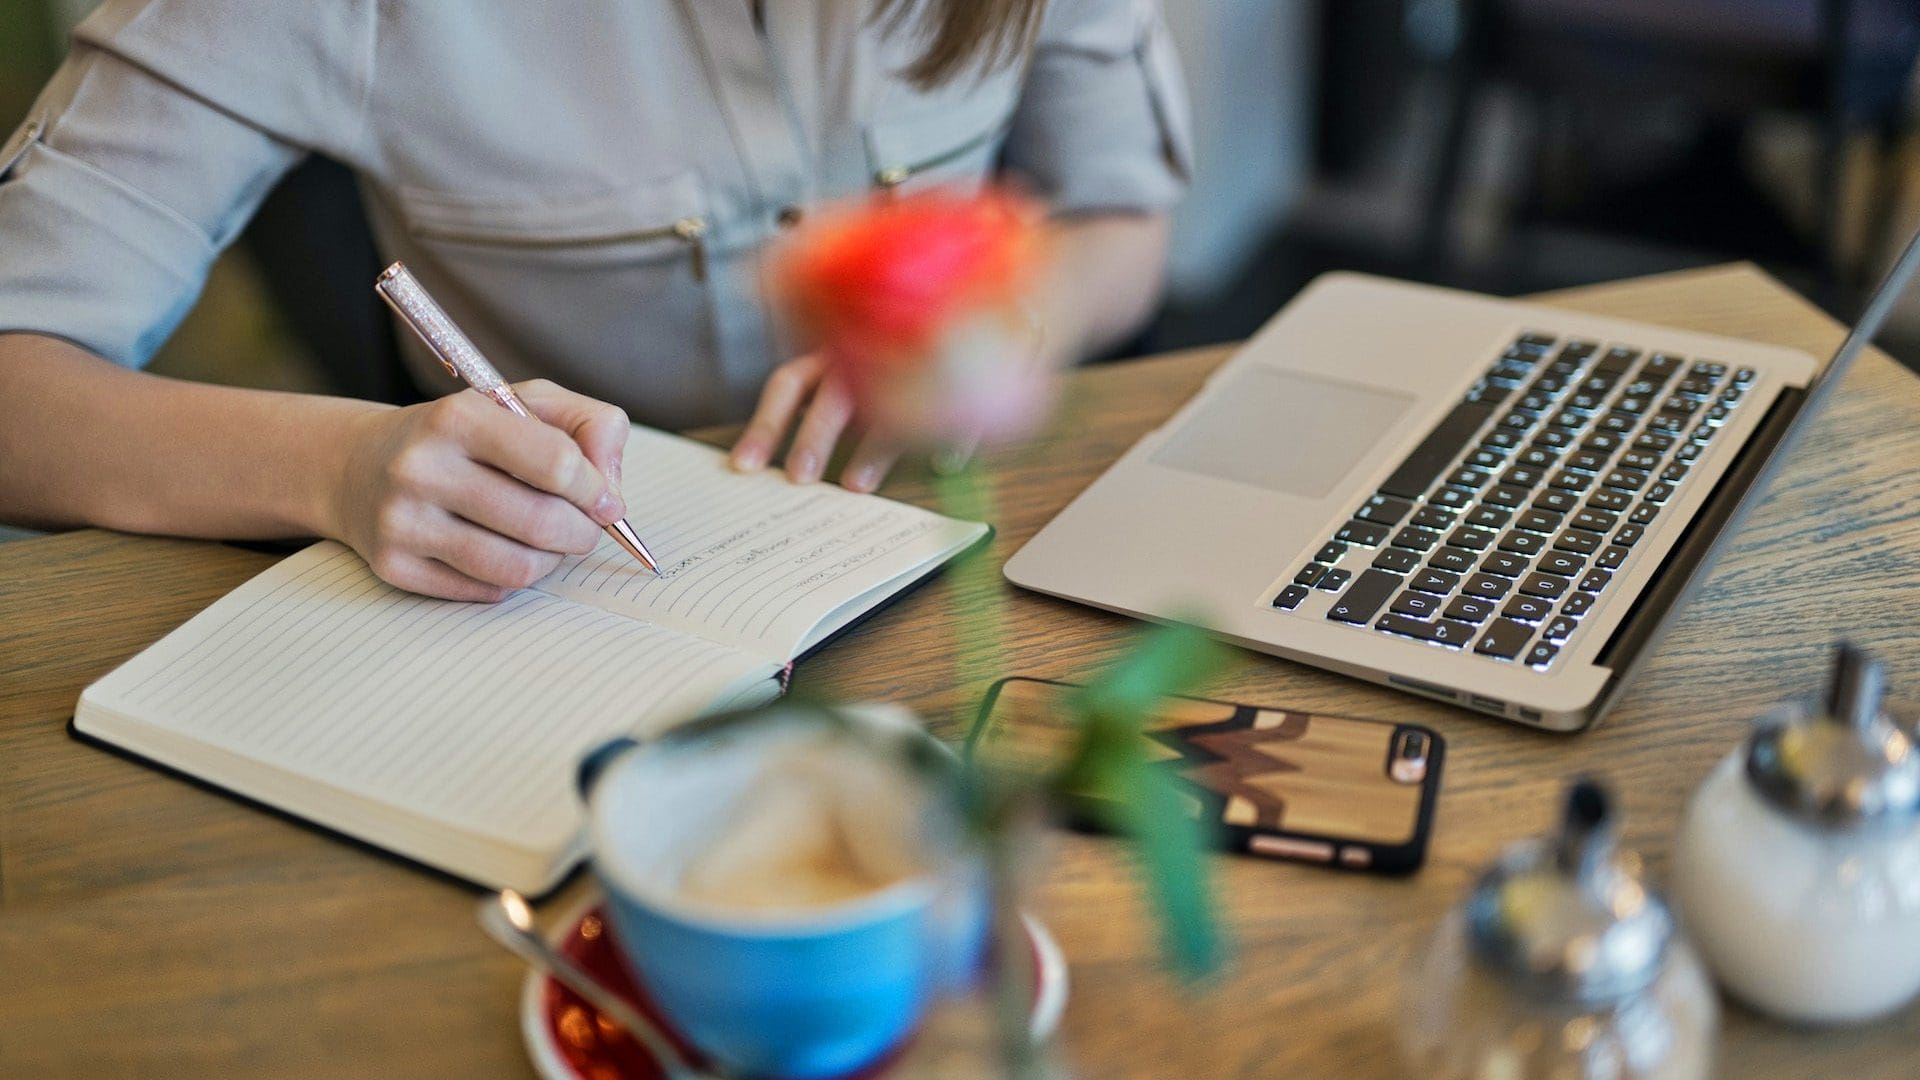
{"x":1848,"y":62}
{"x":317,"y":259}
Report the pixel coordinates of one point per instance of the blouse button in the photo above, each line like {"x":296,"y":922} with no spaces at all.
{"x":788,"y":217}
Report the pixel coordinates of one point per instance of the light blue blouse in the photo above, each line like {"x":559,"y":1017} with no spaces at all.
{"x":585,"y":186}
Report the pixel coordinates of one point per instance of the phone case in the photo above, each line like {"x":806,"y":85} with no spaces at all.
{"x":1280,"y":783}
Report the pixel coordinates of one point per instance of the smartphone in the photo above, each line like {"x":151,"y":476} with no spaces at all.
{"x":1279,"y":783}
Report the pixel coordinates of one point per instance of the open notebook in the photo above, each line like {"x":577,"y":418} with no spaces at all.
{"x":448,"y":732}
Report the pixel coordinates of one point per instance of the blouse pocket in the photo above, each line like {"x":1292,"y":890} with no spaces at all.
{"x":608,"y":294}
{"x":952,"y":143}
{"x":648,"y":223}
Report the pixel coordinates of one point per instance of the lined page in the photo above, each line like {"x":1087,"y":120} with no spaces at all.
{"x":752,"y":561}
{"x":473,"y":715}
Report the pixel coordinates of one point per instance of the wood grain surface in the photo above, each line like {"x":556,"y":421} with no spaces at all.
{"x":151,"y":927}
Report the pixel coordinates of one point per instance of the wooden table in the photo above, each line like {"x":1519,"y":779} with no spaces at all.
{"x":150,"y":927}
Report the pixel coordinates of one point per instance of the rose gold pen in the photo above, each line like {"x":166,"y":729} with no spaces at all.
{"x":408,"y":298}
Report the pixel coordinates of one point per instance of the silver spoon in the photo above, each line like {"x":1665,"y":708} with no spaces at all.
{"x":508,"y":920}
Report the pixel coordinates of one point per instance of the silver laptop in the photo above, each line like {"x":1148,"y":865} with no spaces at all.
{"x":1491,"y":503}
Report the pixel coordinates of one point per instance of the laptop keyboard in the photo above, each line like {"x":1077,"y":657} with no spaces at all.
{"x":1503,"y":527}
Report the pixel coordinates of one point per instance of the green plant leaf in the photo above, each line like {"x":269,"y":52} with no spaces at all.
{"x":1109,"y":774}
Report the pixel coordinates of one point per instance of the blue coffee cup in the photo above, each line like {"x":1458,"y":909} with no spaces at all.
{"x":807,"y":992}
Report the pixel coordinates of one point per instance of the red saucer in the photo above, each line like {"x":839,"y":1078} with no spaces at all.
{"x":568,"y":1039}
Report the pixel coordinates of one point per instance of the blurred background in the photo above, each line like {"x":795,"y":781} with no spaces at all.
{"x":1501,"y":145}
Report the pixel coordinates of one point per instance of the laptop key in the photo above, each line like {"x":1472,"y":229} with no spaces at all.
{"x":1626,"y":479}
{"x":1598,"y":521}
{"x":1364,"y":533}
{"x":1675,"y":472}
{"x":1611,"y":558}
{"x":1540,"y":521}
{"x":1553,"y":437}
{"x":1471,"y":539}
{"x":1559,"y":629}
{"x":1537,"y":457}
{"x":1452,"y":559}
{"x":1627,"y":536}
{"x":1384,"y":510}
{"x":1687,"y":453}
{"x":1595,"y":581}
{"x":1639,"y":459}
{"x":1435,"y":452}
{"x":1561,"y":563}
{"x":1416,"y":539}
{"x":1487,"y":586}
{"x":1439,"y":582}
{"x":1418,"y":604}
{"x":1521,"y":476}
{"x":1396,"y":560}
{"x":1471,"y":479}
{"x":1527,"y":608}
{"x":1489,"y":517}
{"x":1609,"y":500}
{"x":1659,"y":493}
{"x":1743,"y":377}
{"x":1542,"y":654}
{"x":1573,"y":481}
{"x":1578,"y":541}
{"x":1490,"y":393}
{"x":1469,"y":609}
{"x":1547,"y":586}
{"x":1523,"y":543}
{"x":1290,"y":597}
{"x":1664,"y":364}
{"x":1310,"y":575}
{"x":1587,"y":461}
{"x":1504,"y":639}
{"x":1433,"y":517}
{"x":1505,"y":565}
{"x":1602,"y":442}
{"x":1334,"y":579}
{"x":1643,"y":514}
{"x":1556,"y":500}
{"x":1577,"y":604}
{"x":1452,"y":498}
{"x":1364,"y":597}
{"x":1485,"y":457}
{"x":1505,"y":495}
{"x":1330,"y":553}
{"x":1501,"y":439}
{"x":1657,"y":441}
{"x":1441,"y":630}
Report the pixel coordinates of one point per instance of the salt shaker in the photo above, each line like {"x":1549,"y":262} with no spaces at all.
{"x":1798,"y":865}
{"x":1561,"y":964}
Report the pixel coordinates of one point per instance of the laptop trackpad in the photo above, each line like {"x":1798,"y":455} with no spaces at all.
{"x":1281,"y":430}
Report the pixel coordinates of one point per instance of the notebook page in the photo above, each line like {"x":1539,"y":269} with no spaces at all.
{"x":752,"y":561}
{"x":470,"y":715}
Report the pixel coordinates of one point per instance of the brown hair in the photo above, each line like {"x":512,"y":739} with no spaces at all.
{"x":963,"y":35}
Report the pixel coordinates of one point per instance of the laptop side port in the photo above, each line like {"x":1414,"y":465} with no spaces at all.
{"x":1425,"y":688}
{"x":1489,"y":704}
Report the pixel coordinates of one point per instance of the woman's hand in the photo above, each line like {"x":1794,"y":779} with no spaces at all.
{"x":800,"y":392}
{"x":462,"y":499}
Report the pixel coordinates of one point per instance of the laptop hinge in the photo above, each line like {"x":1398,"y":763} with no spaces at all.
{"x":1699,"y":543}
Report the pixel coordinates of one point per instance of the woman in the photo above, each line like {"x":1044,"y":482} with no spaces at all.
{"x":586,"y":193}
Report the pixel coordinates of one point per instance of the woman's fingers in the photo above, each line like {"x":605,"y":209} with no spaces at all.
{"x":871,"y":460}
{"x":430,"y":577}
{"x":827,"y":417}
{"x":787,"y":390}
{"x":482,"y":554}
{"x":599,"y":429}
{"x":535,"y":452}
{"x":493,"y":500}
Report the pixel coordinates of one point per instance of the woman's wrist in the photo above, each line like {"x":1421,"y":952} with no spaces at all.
{"x":323,"y":488}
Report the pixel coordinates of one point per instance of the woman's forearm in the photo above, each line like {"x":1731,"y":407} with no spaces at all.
{"x":1107,"y":276}
{"x":86,"y":442}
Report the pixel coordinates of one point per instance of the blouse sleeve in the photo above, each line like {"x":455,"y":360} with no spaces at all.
{"x":149,"y":151}
{"x":1103,"y":120}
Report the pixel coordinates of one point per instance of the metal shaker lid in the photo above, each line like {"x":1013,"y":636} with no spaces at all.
{"x":1842,"y":762}
{"x":1566,"y":918}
